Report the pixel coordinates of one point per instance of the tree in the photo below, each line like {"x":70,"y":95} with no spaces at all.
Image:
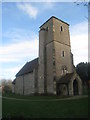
{"x":7,"y":85}
{"x":85,"y":4}
{"x":83,"y":70}
{"x":82,"y":2}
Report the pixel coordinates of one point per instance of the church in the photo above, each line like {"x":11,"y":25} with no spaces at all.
{"x":53,"y":72}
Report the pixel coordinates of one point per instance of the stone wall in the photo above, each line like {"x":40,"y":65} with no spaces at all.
{"x":25,"y":84}
{"x":13,"y":88}
{"x":49,"y":68}
{"x":41,"y":74}
{"x":19,"y":85}
{"x":29,"y":87}
{"x":62,"y":47}
{"x":45,"y":77}
{"x":62,"y":61}
{"x":59,"y":35}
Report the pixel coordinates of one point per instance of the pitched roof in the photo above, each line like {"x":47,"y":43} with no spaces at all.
{"x":55,"y":18}
{"x":28,"y":67}
{"x":65,"y":79}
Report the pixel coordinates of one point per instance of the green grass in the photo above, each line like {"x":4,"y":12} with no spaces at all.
{"x":32,"y":97}
{"x":77,"y":108}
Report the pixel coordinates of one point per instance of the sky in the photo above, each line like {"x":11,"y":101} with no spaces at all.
{"x":20,"y":32}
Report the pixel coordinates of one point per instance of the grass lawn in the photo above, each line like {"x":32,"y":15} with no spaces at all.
{"x":77,"y":108}
{"x":36,"y":97}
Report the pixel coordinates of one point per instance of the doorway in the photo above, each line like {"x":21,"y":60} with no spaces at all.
{"x":75,"y":87}
{"x":58,"y":89}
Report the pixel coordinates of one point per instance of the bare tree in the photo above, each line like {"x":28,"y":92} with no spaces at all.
{"x":86,"y":4}
{"x":82,"y":2}
{"x":6,"y":85}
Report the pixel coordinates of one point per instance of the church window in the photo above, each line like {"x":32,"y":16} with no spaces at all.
{"x":54,"y":63}
{"x":64,"y":69}
{"x":61,"y":29}
{"x":63,"y":53}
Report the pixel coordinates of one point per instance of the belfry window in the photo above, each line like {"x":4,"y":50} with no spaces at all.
{"x":63,"y":53}
{"x":61,"y":29}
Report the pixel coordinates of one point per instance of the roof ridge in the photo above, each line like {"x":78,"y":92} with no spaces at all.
{"x":55,"y":18}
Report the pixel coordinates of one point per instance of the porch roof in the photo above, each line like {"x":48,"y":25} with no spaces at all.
{"x":65,"y":78}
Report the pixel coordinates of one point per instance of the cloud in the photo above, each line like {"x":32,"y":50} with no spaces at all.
{"x":28,"y":9}
{"x":21,"y":45}
{"x":79,"y":42}
{"x":9,"y":73}
{"x":16,"y":55}
{"x":19,"y":51}
{"x":80,"y":28}
{"x":17,"y":34}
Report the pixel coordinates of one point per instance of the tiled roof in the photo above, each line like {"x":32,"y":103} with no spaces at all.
{"x":66,"y":78}
{"x":28,"y":67}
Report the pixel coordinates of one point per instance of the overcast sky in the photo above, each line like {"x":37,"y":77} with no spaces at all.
{"x":20,"y":26}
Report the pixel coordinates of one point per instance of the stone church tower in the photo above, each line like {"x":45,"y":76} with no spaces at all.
{"x":55,"y":58}
{"x":53,"y":72}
